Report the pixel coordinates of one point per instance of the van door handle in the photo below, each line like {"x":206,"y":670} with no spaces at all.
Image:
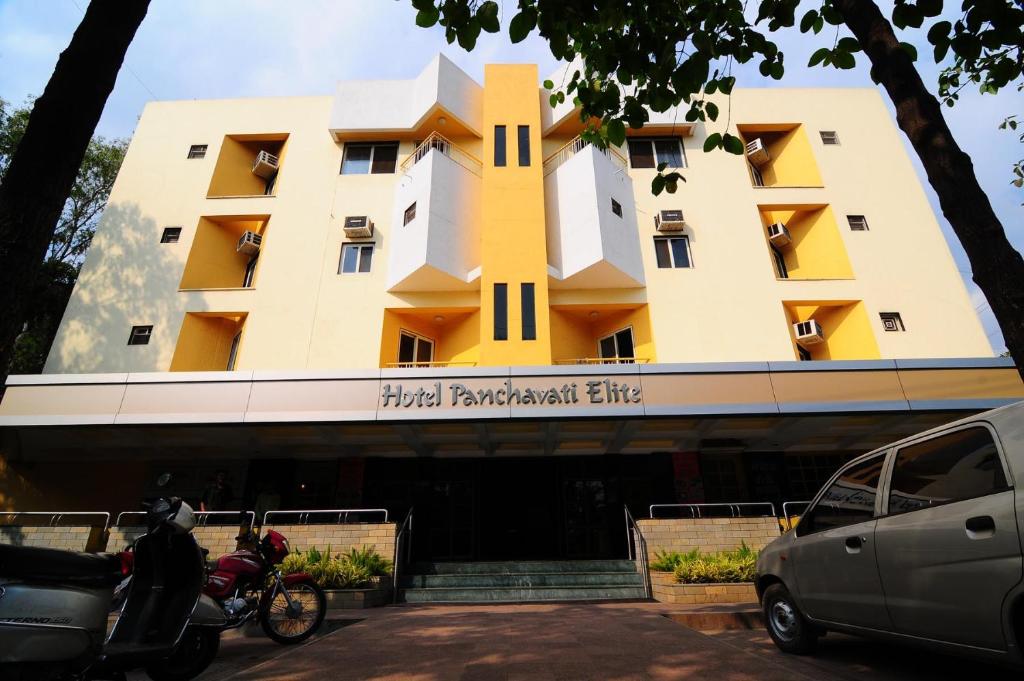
{"x":980,"y":527}
{"x":854,"y":543}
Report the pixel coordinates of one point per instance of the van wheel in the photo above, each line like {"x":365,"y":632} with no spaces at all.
{"x":787,"y":626}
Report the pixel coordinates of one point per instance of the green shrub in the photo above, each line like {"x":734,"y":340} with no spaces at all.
{"x":668,"y":561}
{"x":354,"y":570}
{"x":367,"y":558}
{"x":694,"y":567}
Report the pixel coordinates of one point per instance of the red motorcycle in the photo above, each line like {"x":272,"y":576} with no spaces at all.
{"x":249,"y":585}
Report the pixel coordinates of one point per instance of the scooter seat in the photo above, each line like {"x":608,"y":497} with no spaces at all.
{"x":35,"y":564}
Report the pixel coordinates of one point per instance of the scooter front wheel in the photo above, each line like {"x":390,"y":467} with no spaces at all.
{"x":193,"y":655}
{"x":296,"y":622}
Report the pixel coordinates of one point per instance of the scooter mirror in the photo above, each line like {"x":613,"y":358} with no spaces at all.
{"x":164,"y":480}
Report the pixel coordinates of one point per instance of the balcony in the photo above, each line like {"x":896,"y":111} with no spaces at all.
{"x":846,"y":330}
{"x":247,"y":165}
{"x":208,"y":341}
{"x":430,"y":337}
{"x":804,"y":242}
{"x":435,"y":226}
{"x":225,"y":252}
{"x":601,"y":334}
{"x":592,"y":235}
{"x":779,"y":155}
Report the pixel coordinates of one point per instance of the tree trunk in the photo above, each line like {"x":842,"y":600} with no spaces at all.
{"x":43,"y":168}
{"x":997,"y":268}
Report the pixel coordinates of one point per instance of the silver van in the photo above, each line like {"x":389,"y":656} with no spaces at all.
{"x":918,"y":541}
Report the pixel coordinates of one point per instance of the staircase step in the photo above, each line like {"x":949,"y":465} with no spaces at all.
{"x":522,"y":579}
{"x":522,"y":567}
{"x":519,"y":595}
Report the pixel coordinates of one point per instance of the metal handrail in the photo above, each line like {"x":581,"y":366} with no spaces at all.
{"x":427,"y":365}
{"x":404,"y":530}
{"x":603,"y":360}
{"x":786,"y":515}
{"x":57,"y":516}
{"x":735,"y":508}
{"x":573,"y":147}
{"x":343,"y":513}
{"x":636,"y":545}
{"x":202,"y":517}
{"x":438,"y":142}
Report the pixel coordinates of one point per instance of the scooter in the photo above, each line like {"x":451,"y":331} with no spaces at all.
{"x":54,"y":606}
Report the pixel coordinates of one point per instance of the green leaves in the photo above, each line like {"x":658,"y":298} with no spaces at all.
{"x":819,"y":57}
{"x":713,"y":141}
{"x":840,"y":57}
{"x":616,"y":132}
{"x":732,"y":144}
{"x":487,"y":15}
{"x":426,"y":18}
{"x":522,"y":24}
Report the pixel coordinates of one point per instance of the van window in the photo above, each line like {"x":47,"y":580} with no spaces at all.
{"x":960,"y":465}
{"x":848,"y":500}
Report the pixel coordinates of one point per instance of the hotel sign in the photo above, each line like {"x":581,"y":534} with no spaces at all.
{"x":453,"y":394}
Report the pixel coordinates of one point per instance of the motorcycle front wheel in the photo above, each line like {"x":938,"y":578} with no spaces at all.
{"x":294,"y":624}
{"x":193,"y":655}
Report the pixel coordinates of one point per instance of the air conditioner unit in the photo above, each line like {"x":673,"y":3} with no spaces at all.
{"x":757,"y":153}
{"x":265,"y":165}
{"x":808,"y":333}
{"x":778,"y":235}
{"x":669,"y":221}
{"x":358,"y":227}
{"x":249,"y":244}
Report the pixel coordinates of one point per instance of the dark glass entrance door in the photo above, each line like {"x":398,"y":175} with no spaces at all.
{"x":518,"y":510}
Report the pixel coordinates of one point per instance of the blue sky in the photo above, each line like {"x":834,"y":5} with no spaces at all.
{"x":198,"y":49}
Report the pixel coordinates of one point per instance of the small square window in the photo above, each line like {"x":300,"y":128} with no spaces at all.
{"x":858,"y":223}
{"x":616,"y":208}
{"x":171,"y":235}
{"x":355,"y":258}
{"x":647,"y":152}
{"x":197,"y":151}
{"x":410,"y":214}
{"x":892,"y":321}
{"x":369,"y":158}
{"x":673,"y":252}
{"x":829,"y":137}
{"x":140,"y":335}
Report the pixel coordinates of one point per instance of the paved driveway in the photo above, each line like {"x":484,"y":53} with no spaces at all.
{"x":566,"y":641}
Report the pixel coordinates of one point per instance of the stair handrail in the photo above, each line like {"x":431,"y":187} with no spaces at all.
{"x":404,"y":533}
{"x":636,"y":545}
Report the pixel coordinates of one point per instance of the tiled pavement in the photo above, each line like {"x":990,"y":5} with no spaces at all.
{"x":620,"y":641}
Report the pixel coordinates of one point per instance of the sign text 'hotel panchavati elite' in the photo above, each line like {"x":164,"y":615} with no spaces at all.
{"x":597,"y":391}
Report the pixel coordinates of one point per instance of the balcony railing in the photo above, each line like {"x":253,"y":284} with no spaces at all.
{"x":603,"y":360}
{"x":426,"y":365}
{"x":440,"y":143}
{"x":574,"y":146}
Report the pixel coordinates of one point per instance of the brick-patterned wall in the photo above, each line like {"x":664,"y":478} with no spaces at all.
{"x":341,"y":537}
{"x":68,"y":538}
{"x":708,"y":535}
{"x":665,"y":589}
{"x":219,"y":539}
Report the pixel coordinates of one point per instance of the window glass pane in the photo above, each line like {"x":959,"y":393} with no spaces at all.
{"x":349,"y":255}
{"x":406,"y":347}
{"x":365,"y":256}
{"x":670,"y":152}
{"x":641,"y":154}
{"x":424,"y":350}
{"x":357,"y":159}
{"x":384,"y":157}
{"x":528,"y":312}
{"x":624,"y":339}
{"x":501,"y":312}
{"x":524,"y":145}
{"x":607,"y":346}
{"x":410,"y":214}
{"x":499,"y":145}
{"x":233,"y":352}
{"x":680,"y":252}
{"x":661,"y":252}
{"x":850,"y":499}
{"x":780,"y":262}
{"x":961,"y":465}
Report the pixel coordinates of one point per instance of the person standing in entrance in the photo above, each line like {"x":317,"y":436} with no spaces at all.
{"x":218,"y":495}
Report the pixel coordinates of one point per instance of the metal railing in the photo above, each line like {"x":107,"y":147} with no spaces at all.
{"x":787,"y":516}
{"x":440,"y":143}
{"x":636,"y":549}
{"x":426,"y":365}
{"x":54,"y":518}
{"x":735,"y":509}
{"x":402,"y":541}
{"x":603,"y":360}
{"x":573,"y":147}
{"x":202,"y":518}
{"x":341,"y":514}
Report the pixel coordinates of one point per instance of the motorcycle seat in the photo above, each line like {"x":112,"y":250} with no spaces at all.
{"x":36,"y":564}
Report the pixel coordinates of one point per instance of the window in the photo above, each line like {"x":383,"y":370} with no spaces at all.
{"x":616,"y":208}
{"x":524,"y":145}
{"x":528,"y":309}
{"x":858,"y":223}
{"x":355,"y":258}
{"x":171,"y":235}
{"x":647,"y":152}
{"x":780,"y":262}
{"x":499,"y":146}
{"x":848,"y":500}
{"x":233,"y":352}
{"x":618,"y":347}
{"x":410,"y":214}
{"x":250,"y":272}
{"x":960,"y":465}
{"x":755,"y":175}
{"x":806,"y":473}
{"x":501,"y":312}
{"x":374,"y":158}
{"x":672,"y":251}
{"x":892,"y":321}
{"x":829,"y":137}
{"x":414,"y":350}
{"x":140,"y":335}
{"x":197,"y":151}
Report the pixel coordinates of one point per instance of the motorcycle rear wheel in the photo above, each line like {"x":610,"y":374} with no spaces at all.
{"x":288,"y":628}
{"x":193,"y":655}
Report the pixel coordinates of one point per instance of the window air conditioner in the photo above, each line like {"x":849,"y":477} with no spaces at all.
{"x":358,"y":227}
{"x":265,"y":165}
{"x":778,"y":235}
{"x":808,"y":333}
{"x":757,"y":153}
{"x":249,"y":244}
{"x":669,"y":221}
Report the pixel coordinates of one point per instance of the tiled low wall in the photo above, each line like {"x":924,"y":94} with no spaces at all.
{"x":707,"y":535}
{"x":76,"y":538}
{"x":357,"y":599}
{"x":341,"y":537}
{"x":217,"y":539}
{"x":665,"y":589}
